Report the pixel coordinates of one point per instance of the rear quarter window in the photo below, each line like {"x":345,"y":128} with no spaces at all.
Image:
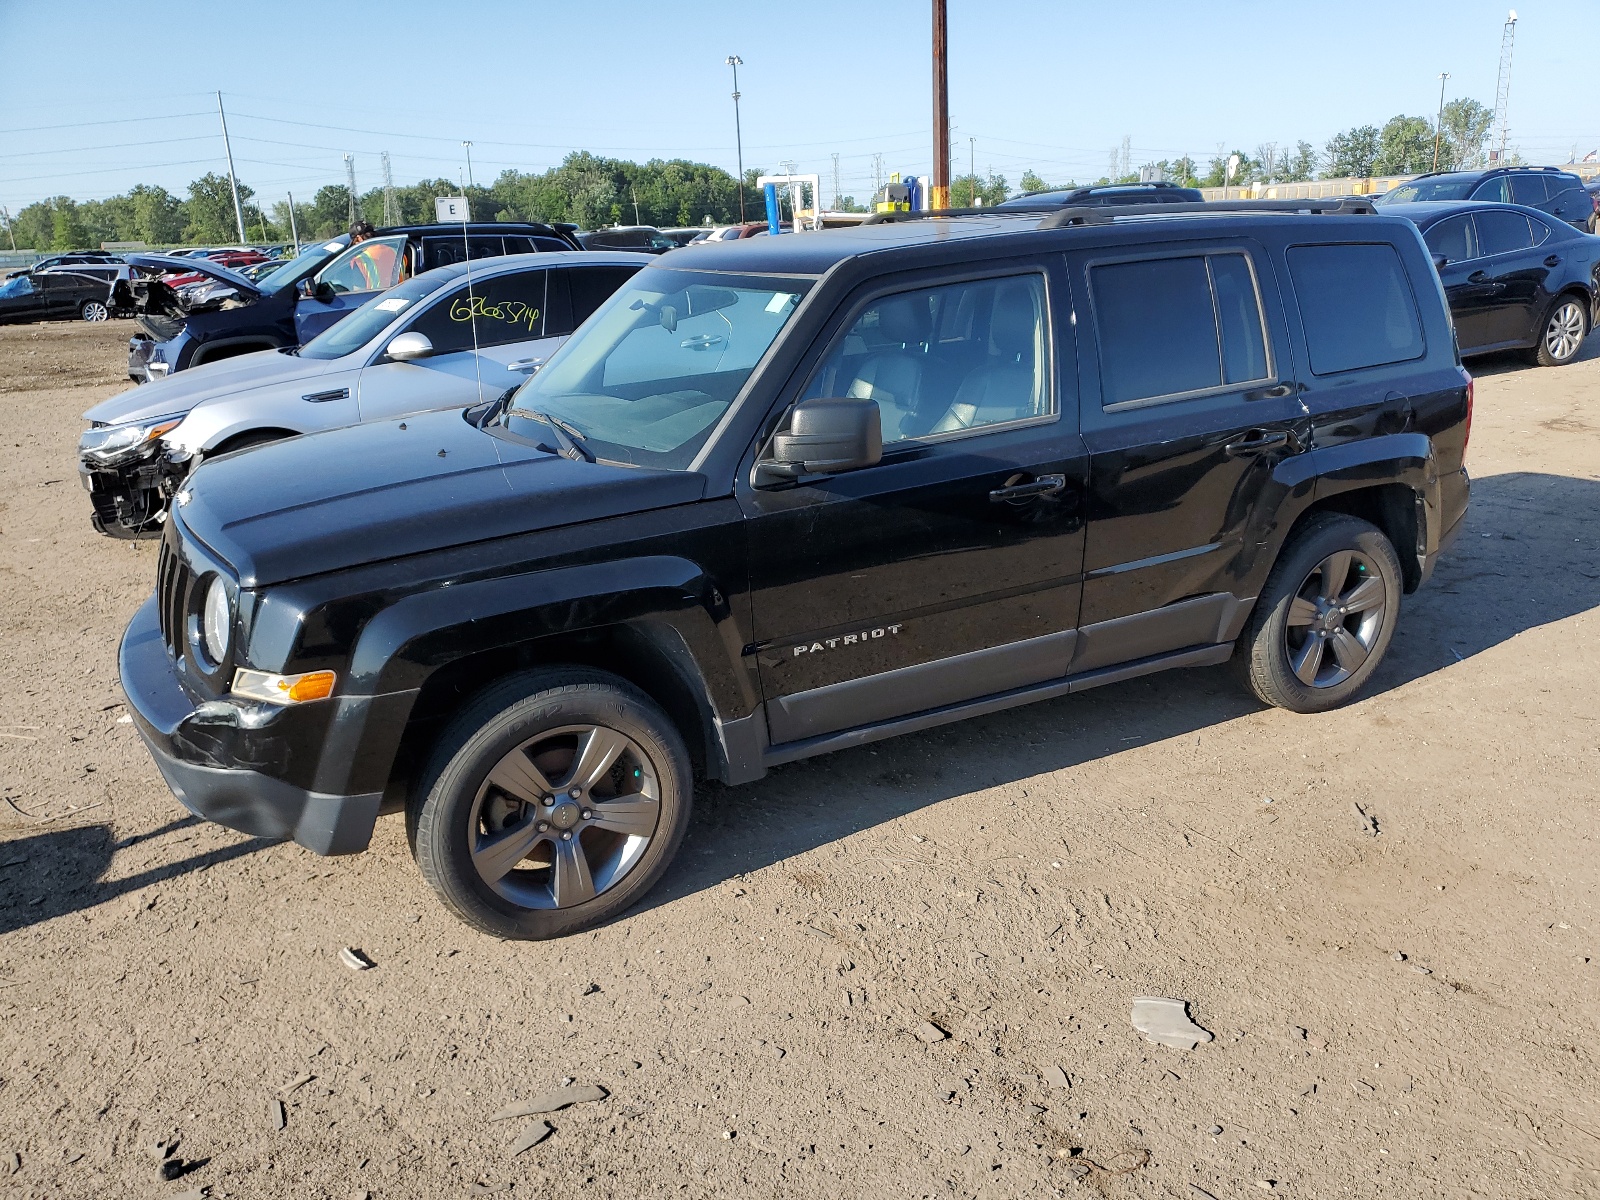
{"x":1356,"y":305}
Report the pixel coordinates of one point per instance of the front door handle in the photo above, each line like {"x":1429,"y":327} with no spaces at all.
{"x":1271,"y":393}
{"x":1478,"y":277}
{"x":1257,"y":439}
{"x":1042,"y":486}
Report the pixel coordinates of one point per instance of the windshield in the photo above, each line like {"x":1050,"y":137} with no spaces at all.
{"x":1447,"y":187}
{"x":372,"y":318}
{"x":296,"y":268}
{"x":646,"y":378}
{"x":19,"y":285}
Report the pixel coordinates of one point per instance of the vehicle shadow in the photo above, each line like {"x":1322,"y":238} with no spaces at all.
{"x":1507,"y":362}
{"x":1528,"y":556}
{"x":55,"y":873}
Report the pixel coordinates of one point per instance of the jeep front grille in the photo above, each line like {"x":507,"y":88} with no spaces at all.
{"x":173,"y":580}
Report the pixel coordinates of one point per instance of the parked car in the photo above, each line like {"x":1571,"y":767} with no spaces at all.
{"x":76,"y":258}
{"x":1593,"y":188}
{"x":53,"y":295}
{"x":683,"y":235}
{"x":1551,"y":190}
{"x":783,"y":498}
{"x":1160,"y":192}
{"x":435,"y":341}
{"x":645,"y":238}
{"x":1516,"y":278}
{"x":306,"y":295}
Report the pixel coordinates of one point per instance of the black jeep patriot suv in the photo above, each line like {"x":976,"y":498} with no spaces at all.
{"x":794,"y":494}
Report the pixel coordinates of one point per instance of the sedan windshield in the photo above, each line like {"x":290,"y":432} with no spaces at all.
{"x":645,"y":380}
{"x":1444,"y":187}
{"x":372,"y":318}
{"x":297,"y":267}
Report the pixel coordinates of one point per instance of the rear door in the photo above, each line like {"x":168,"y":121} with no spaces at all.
{"x":1569,"y":201}
{"x":1467,"y":286}
{"x":503,"y":316}
{"x":1192,"y":405}
{"x":951,"y":569}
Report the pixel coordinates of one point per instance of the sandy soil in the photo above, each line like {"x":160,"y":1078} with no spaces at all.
{"x":1405,"y":1012}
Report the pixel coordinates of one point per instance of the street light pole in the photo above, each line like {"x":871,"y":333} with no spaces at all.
{"x":1438,"y":128}
{"x":939,"y":193}
{"x":734,"y":61}
{"x":468,"y":145}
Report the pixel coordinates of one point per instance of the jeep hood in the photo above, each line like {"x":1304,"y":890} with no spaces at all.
{"x":194,"y":266}
{"x":369,"y":493}
{"x":181,"y":392}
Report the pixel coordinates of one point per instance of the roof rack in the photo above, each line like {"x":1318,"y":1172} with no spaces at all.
{"x":1104,"y":214}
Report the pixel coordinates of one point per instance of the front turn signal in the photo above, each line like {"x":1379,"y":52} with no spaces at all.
{"x":283,"y":689}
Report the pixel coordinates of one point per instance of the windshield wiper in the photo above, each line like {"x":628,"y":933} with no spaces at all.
{"x":568,"y":440}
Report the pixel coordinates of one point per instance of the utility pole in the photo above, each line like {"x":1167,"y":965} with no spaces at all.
{"x":972,"y":167}
{"x":838,"y":199}
{"x":388,"y":189}
{"x":734,"y":61}
{"x":11,"y":233}
{"x":1502,"y":87}
{"x":1438,"y":127}
{"x":294,"y":226}
{"x":939,"y":193}
{"x":350,"y":184}
{"x":468,"y":145}
{"x":233,"y":182}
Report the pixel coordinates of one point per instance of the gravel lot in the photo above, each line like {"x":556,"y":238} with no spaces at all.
{"x":1403,"y":1005}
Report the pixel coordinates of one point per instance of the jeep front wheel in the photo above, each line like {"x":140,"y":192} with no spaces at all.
{"x":1325,"y":617}
{"x":552,"y":803}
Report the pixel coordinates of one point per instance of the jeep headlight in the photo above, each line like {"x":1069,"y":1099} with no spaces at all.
{"x":216,"y":620}
{"x":111,"y":445}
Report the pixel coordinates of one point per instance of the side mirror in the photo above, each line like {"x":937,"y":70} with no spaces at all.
{"x":1441,"y":261}
{"x":825,"y":437}
{"x":306,"y":290}
{"x":409,"y":346}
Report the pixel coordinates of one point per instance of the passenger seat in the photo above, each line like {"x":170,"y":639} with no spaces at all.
{"x":1007,"y":387}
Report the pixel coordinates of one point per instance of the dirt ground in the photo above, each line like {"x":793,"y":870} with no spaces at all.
{"x":1403,"y":1006}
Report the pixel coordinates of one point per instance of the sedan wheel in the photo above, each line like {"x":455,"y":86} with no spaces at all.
{"x":94,"y":310}
{"x":1563,"y":334}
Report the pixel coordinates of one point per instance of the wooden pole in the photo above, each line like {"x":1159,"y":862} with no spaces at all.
{"x":939,"y":193}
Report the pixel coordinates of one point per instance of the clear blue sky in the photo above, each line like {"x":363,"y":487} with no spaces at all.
{"x":97,"y":96}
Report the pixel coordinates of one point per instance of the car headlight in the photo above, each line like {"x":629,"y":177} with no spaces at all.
{"x":111,"y":445}
{"x":216,"y":625}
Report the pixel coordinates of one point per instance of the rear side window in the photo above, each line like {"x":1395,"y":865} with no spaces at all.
{"x":1357,"y":306}
{"x":1173,"y":326}
{"x":1453,"y":238}
{"x":442,"y":251}
{"x":1529,"y":189}
{"x":1503,"y":232}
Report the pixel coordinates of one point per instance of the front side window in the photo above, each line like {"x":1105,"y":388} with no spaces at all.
{"x":1503,"y":232}
{"x":1452,"y":238}
{"x":646,"y":379}
{"x":1497,"y":190}
{"x":370,"y":266}
{"x":946,"y":359}
{"x":497,"y":310}
{"x":1173,"y":326}
{"x":1356,"y":305}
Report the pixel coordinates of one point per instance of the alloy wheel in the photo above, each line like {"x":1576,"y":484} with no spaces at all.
{"x":564,"y":816}
{"x":95,"y":311}
{"x":1564,"y":333}
{"x":1335,"y":619}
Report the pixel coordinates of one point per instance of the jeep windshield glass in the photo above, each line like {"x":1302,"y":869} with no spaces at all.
{"x":373,"y":317}
{"x":1448,"y":187}
{"x":308,"y":258}
{"x":645,"y":380}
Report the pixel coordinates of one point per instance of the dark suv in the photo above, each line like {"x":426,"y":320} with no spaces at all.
{"x":1113,"y":194}
{"x":1549,"y":189}
{"x":790,"y":495}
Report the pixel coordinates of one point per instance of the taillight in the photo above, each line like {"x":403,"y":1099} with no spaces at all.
{"x":1467,"y":437}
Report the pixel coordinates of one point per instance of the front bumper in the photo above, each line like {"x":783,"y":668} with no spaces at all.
{"x":237,"y":764}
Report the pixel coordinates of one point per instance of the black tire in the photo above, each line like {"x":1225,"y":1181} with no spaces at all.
{"x":1277,"y":637}
{"x":1561,"y":331}
{"x":530,"y":719}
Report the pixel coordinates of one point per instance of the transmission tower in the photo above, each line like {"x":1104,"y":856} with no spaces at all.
{"x":388,"y":190}
{"x":838,"y":199}
{"x":1127,"y":156}
{"x":1116,"y":161}
{"x":1502,"y":87}
{"x":877,"y":175}
{"x":350,"y":183}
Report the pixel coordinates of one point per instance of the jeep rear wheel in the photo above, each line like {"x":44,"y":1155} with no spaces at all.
{"x":1326,"y":616}
{"x":552,"y":803}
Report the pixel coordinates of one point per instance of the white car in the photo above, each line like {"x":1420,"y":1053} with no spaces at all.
{"x":439,"y":340}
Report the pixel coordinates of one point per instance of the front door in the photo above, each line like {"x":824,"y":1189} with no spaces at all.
{"x":356,"y":275}
{"x":1196,"y":405}
{"x":1514,"y":263}
{"x":504,"y":313}
{"x":951,"y":569}
{"x":1468,"y":288}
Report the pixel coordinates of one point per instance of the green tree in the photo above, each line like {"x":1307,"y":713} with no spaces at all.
{"x":1033,"y":183}
{"x":966,"y":190}
{"x":34,"y":226}
{"x":210,"y":210}
{"x":158,"y":216}
{"x":1405,"y":146}
{"x":1466,"y":127}
{"x":67,"y":230}
{"x":1217,"y":176}
{"x":1302,"y":164}
{"x":1352,"y":153}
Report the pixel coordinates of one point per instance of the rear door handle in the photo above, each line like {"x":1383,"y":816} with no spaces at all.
{"x":1478,"y":277}
{"x":1553,"y":261}
{"x":1042,"y":486}
{"x":1257,"y":439}
{"x":1271,"y":393}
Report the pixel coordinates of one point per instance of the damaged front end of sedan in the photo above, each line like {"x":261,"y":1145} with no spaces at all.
{"x":131,"y":475}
